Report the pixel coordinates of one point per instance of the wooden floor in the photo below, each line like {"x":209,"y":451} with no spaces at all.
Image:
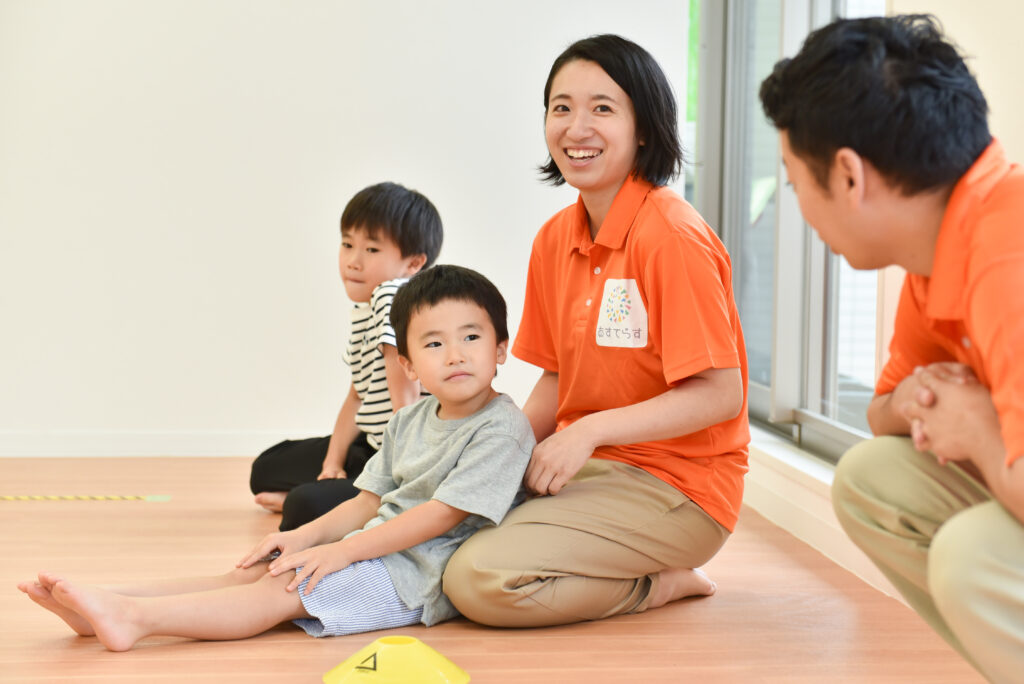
{"x":783,"y":612}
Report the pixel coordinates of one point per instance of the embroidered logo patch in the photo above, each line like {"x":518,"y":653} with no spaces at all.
{"x":622,"y":319}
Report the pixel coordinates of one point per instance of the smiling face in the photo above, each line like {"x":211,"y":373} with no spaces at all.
{"x":365,"y":262}
{"x":454,"y":352}
{"x":590,"y":128}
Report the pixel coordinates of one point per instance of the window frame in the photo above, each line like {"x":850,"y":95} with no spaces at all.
{"x":805,"y":273}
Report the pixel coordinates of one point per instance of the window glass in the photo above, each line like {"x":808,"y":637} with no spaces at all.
{"x":759,"y":150}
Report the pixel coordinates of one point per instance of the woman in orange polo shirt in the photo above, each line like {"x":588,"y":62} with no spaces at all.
{"x":640,"y":412}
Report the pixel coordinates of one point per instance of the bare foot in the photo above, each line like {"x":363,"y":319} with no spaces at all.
{"x":272,"y":501}
{"x":676,"y":583}
{"x":42,"y":594}
{"x":111,"y":615}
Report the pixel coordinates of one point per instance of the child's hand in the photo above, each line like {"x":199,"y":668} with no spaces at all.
{"x":316,"y":563}
{"x":331,"y":472}
{"x":285,"y":542}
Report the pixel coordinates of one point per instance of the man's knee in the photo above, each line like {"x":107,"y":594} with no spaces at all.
{"x":854,"y":473}
{"x":961,"y":555}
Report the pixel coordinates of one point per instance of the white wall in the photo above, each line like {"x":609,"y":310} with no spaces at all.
{"x":171,"y":177}
{"x":988,"y":34}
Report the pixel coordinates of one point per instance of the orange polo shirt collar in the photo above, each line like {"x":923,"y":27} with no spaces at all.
{"x":617,"y":223}
{"x":943,"y":291}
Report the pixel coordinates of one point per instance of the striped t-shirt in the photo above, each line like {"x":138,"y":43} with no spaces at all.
{"x":371,"y":329}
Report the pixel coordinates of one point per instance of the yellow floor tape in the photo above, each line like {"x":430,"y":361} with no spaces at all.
{"x":83,"y":497}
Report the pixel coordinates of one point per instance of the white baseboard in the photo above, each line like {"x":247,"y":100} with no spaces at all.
{"x":791,"y":488}
{"x":135,"y":443}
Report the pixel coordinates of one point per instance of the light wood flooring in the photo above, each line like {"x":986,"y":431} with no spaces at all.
{"x":783,"y":612}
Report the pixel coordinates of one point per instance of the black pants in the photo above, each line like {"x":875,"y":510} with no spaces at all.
{"x":293,"y":465}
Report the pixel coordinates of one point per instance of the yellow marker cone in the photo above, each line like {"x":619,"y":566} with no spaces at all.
{"x":396,"y":660}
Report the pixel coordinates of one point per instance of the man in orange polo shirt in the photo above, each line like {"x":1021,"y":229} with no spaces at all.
{"x":885,"y":140}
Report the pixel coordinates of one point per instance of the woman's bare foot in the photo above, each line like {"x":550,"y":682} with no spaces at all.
{"x":272,"y":501}
{"x":112,"y":616}
{"x":41,"y":592}
{"x":676,"y":583}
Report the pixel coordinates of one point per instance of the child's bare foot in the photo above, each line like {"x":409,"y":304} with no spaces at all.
{"x":676,"y":583}
{"x":272,"y":501}
{"x":42,"y":594}
{"x":112,"y":616}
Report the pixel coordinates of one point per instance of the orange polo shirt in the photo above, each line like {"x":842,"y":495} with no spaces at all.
{"x":624,"y":318}
{"x":971,"y":308}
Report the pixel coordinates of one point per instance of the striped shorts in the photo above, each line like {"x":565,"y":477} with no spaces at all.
{"x":359,"y":598}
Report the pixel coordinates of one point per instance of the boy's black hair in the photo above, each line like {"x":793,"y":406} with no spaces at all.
{"x":660,"y":158}
{"x":441,"y":283}
{"x":404,"y":215}
{"x":890,"y":88}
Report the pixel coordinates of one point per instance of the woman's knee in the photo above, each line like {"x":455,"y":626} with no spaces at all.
{"x":474,"y":586}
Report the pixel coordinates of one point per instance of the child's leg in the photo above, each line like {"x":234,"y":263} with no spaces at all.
{"x":173,"y":585}
{"x":233,"y":612}
{"x":41,"y":591}
{"x":283,"y":466}
{"x":42,"y":595}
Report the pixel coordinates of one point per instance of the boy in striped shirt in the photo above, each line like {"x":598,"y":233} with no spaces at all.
{"x":388,"y":233}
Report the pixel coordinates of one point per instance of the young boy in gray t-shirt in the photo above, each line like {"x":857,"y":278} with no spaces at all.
{"x":448,"y":466}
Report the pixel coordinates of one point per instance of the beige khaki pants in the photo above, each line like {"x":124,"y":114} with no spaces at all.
{"x":954,"y":552}
{"x":591,"y":551}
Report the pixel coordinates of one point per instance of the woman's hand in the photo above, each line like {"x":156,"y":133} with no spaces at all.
{"x":558,"y":458}
{"x":283,"y":542}
{"x":316,"y":563}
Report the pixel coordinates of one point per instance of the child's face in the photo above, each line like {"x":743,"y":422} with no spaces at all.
{"x":366,"y":262}
{"x":453,"y":352}
{"x":590,"y":128}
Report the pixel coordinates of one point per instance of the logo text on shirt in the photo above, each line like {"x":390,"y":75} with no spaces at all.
{"x":622,"y":319}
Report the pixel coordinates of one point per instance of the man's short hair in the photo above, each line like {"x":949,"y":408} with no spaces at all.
{"x":660,"y":158}
{"x":890,"y":88}
{"x":405,"y":216}
{"x":442,"y":283}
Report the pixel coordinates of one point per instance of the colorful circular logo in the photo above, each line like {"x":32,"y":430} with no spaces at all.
{"x":617,"y":305}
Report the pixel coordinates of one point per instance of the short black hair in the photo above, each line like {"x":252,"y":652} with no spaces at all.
{"x":442,"y":283}
{"x":890,"y":88}
{"x":407,"y":217}
{"x":660,"y":158}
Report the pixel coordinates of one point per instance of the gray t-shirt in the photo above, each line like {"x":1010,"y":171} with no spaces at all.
{"x":475,"y":464}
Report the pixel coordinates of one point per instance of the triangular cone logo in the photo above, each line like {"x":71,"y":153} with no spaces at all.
{"x":369,"y":663}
